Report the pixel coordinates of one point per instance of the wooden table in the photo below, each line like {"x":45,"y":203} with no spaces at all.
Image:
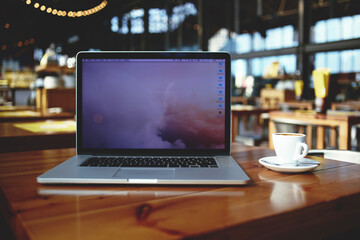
{"x":30,"y":115}
{"x":348,"y":105}
{"x":15,"y":108}
{"x":50,"y":134}
{"x":304,"y":105}
{"x":244,"y":111}
{"x":312,"y":205}
{"x":333,"y":119}
{"x":239,"y":99}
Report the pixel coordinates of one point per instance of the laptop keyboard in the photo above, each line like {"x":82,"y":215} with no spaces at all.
{"x":162,"y":162}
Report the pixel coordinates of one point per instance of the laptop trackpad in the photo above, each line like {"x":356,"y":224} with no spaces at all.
{"x":148,"y":173}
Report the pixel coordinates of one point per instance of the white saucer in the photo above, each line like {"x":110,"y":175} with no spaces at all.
{"x":303,"y":165}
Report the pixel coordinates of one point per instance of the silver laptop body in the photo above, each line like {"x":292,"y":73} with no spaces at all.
{"x":151,"y":118}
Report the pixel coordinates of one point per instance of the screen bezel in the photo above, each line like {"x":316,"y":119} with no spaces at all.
{"x":151,"y":55}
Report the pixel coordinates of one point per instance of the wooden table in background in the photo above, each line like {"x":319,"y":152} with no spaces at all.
{"x":341,"y":120}
{"x":239,"y":100}
{"x":13,"y":138}
{"x":29,"y":115}
{"x":304,"y":105}
{"x":245,"y":111}
{"x":313,"y":205}
{"x":16,"y":108}
{"x":348,"y":105}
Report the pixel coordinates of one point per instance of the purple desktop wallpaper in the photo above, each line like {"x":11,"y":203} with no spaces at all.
{"x":153,"y":105}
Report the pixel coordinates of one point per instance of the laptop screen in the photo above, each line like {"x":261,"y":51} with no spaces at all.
{"x":146,"y":102}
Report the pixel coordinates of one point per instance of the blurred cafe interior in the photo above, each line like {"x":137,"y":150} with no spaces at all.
{"x":282,"y":50}
{"x":295,"y":68}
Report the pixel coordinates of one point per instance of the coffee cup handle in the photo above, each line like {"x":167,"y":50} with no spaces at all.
{"x":305,"y":151}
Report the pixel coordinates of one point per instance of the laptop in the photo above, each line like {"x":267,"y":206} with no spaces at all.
{"x":151,"y":118}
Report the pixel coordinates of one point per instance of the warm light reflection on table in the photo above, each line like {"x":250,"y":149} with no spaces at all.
{"x":271,"y":200}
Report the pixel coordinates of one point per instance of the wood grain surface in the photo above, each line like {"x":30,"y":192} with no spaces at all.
{"x":312,"y":205}
{"x":13,"y":116}
{"x":14,"y":139}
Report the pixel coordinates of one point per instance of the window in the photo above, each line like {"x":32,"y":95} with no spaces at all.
{"x":333,"y":62}
{"x":288,"y":62}
{"x":288,"y":36}
{"x":346,"y":65}
{"x":137,"y":22}
{"x":276,"y":38}
{"x":257,"y":66}
{"x":333,"y":30}
{"x":339,"y":62}
{"x":115,"y":24}
{"x":219,"y":40}
{"x":346,"y":28}
{"x":243,"y":43}
{"x":281,"y":37}
{"x":356,"y":60}
{"x":180,"y":13}
{"x":124,"y":27}
{"x":320,"y":32}
{"x":258,"y":42}
{"x":239,"y":68}
{"x":158,"y":20}
{"x":356,"y":26}
{"x":336,"y":29}
{"x":320,"y":60}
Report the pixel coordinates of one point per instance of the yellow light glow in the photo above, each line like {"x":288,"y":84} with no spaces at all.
{"x":70,"y":13}
{"x":20,"y":44}
{"x":32,"y":40}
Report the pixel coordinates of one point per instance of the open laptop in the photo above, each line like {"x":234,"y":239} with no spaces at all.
{"x":151,"y":118}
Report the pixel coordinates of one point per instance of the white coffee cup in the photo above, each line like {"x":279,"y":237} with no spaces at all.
{"x":289,"y":147}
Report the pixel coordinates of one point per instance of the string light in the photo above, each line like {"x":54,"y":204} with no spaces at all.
{"x":19,"y":44}
{"x":63,"y":13}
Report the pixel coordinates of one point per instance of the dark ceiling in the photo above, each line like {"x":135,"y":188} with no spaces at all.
{"x":27,"y":22}
{"x":20,"y":22}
